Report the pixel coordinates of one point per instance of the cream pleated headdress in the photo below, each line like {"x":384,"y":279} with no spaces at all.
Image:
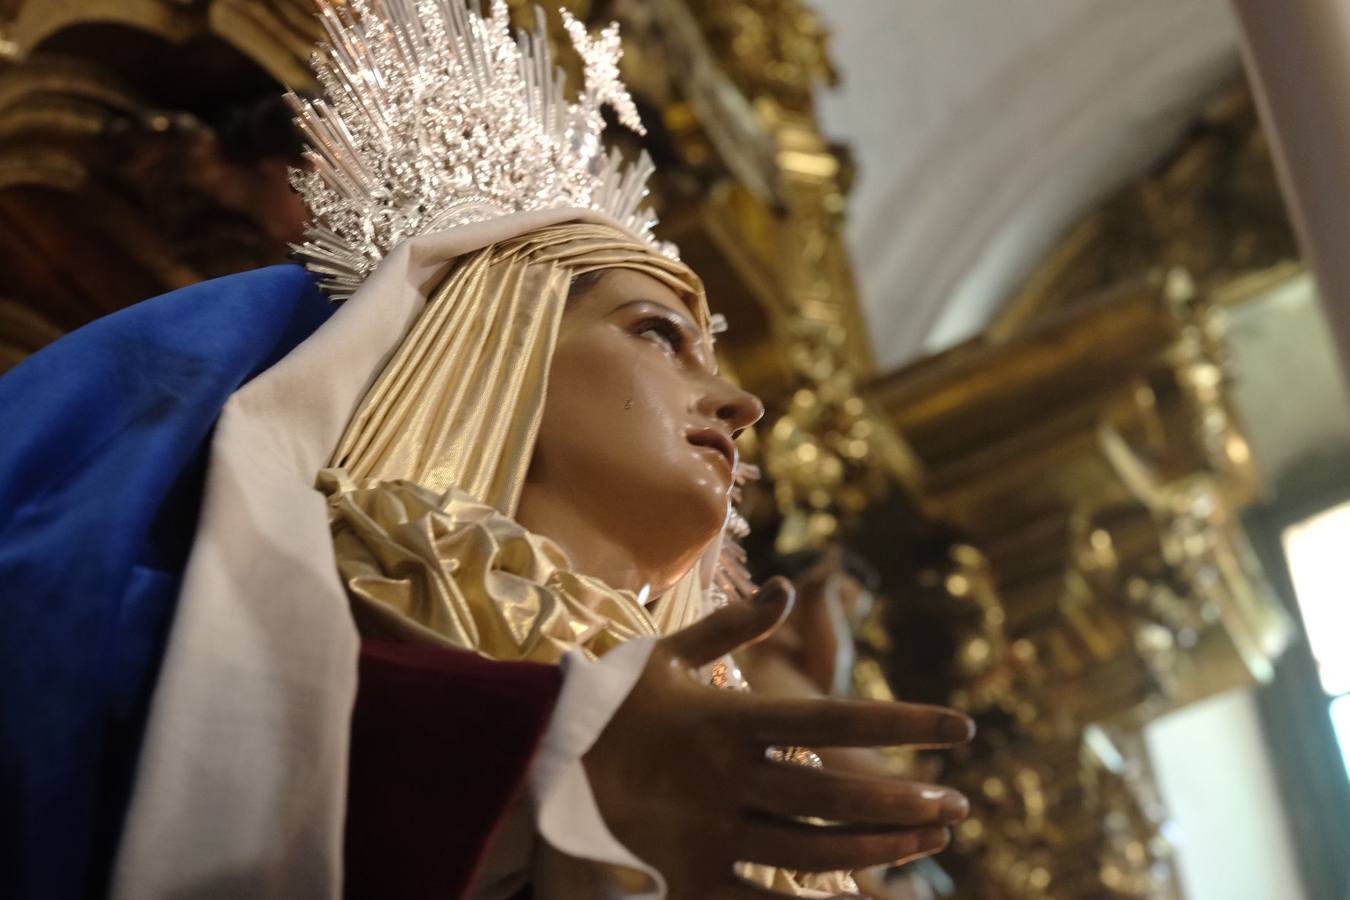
{"x":460,"y":402}
{"x":426,"y":479}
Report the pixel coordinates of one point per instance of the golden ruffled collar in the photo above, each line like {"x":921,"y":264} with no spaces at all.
{"x":446,"y":568}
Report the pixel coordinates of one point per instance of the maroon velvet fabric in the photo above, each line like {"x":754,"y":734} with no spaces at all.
{"x":441,"y":742}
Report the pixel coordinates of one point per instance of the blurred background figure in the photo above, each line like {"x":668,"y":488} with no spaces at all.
{"x":1054,"y":364}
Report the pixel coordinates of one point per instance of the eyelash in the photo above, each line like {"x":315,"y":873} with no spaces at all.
{"x":666,"y":329}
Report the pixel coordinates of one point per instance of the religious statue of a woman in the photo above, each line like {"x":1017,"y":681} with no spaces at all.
{"x":524,"y":455}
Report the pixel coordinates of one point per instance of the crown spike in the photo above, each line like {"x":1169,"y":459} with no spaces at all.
{"x":434,"y":115}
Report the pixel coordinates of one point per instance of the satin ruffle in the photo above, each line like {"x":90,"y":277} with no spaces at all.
{"x":447,"y":569}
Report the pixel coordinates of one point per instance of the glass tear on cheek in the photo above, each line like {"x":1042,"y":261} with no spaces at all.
{"x":628,"y":404}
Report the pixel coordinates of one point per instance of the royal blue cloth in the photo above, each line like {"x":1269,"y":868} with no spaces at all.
{"x":103,"y":437}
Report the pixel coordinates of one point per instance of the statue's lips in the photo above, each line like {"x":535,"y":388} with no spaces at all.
{"x":715,"y":440}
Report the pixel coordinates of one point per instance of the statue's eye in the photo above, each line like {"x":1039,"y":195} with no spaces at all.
{"x":662,"y":331}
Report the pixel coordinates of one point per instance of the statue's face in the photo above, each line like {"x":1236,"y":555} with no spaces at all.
{"x":638,"y":428}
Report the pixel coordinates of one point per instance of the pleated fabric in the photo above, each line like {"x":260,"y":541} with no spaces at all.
{"x":459,"y":404}
{"x":444,"y":438}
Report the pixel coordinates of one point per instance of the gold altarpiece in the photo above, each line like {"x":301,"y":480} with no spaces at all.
{"x":1054,"y":506}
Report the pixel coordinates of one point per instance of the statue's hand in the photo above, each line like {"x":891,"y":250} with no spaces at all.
{"x":681,"y":777}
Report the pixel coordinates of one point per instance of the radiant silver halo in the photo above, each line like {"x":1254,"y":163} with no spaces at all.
{"x":434,"y":116}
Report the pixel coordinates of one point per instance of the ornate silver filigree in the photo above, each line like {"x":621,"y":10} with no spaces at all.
{"x":435,"y":116}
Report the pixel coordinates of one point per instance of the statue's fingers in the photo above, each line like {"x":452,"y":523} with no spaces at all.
{"x":733,"y":626}
{"x":785,"y":789}
{"x":805,"y":847}
{"x":741,"y":580}
{"x":739,"y":889}
{"x":806,"y":722}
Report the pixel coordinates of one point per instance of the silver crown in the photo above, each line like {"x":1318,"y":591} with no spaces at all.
{"x":433,"y":116}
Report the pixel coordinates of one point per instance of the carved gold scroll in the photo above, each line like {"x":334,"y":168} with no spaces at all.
{"x":1086,"y":465}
